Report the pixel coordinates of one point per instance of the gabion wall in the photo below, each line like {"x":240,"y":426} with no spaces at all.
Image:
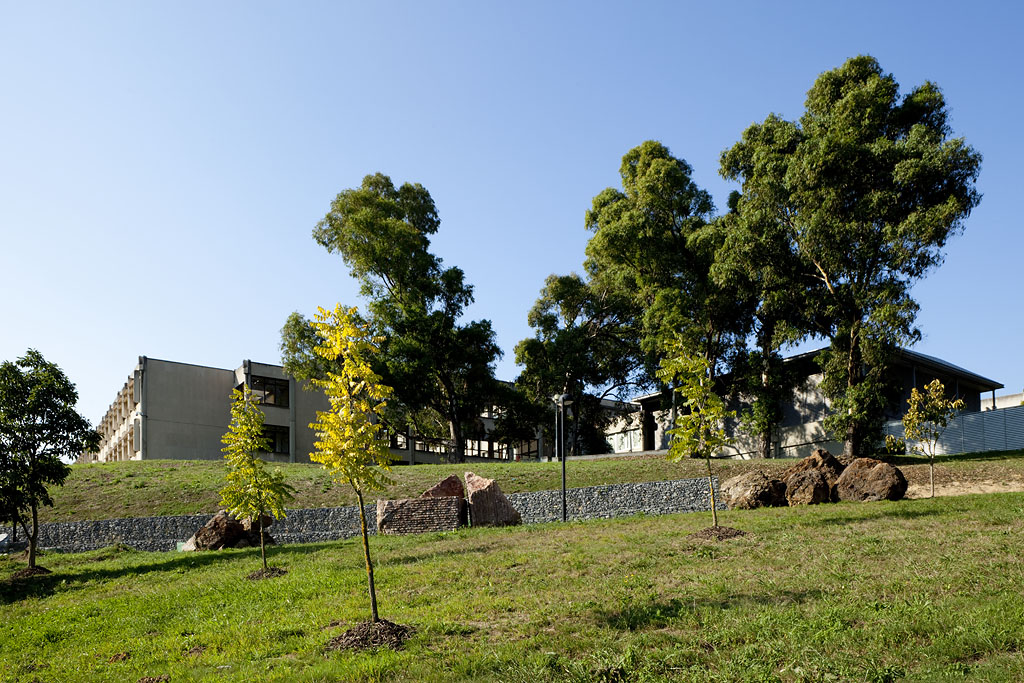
{"x":329,"y":524}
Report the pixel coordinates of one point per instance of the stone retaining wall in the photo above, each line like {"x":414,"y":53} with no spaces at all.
{"x":420,"y":515}
{"x":329,"y":524}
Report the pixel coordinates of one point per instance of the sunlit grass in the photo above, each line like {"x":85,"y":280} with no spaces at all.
{"x":918,"y":590}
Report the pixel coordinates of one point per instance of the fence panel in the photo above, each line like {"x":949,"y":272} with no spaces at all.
{"x":992,"y":430}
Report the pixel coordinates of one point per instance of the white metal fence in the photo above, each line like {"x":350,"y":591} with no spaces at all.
{"x":992,"y":430}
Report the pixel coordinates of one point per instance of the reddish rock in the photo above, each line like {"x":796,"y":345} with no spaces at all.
{"x":224,"y":531}
{"x":420,"y":515}
{"x":869,"y":479}
{"x":808,"y":487}
{"x":820,"y":460}
{"x":488,"y":506}
{"x":449,"y":486}
{"x":753,"y":490}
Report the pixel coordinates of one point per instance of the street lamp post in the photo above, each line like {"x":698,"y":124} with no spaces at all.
{"x":561,"y":400}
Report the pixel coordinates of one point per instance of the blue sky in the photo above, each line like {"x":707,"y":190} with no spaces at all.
{"x":162,"y":165}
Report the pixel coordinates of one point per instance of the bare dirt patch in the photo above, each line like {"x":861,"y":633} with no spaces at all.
{"x":268,"y":573}
{"x":960,"y":488}
{"x":367,"y":635}
{"x":119,"y":657}
{"x":163,"y":678}
{"x":29,"y":572}
{"x":716,"y":533}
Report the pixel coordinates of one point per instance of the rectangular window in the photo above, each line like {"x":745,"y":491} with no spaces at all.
{"x":278,"y":439}
{"x":270,"y":391}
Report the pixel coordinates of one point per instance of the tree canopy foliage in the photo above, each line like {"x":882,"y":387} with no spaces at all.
{"x":351,"y":445}
{"x":926,"y":420}
{"x":441,"y":368}
{"x":40,"y":431}
{"x":585,"y":344}
{"x":251,"y":491}
{"x":866,"y":188}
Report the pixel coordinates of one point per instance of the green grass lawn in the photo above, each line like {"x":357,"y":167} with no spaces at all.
{"x":913,"y":590}
{"x":169,"y":487}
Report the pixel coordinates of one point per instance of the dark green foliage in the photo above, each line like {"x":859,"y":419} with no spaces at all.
{"x":39,"y":431}
{"x":586,"y":345}
{"x":653,"y":243}
{"x":441,"y":368}
{"x":867,"y":188}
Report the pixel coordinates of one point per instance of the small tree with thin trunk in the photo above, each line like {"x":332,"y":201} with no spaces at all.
{"x":251,"y":490}
{"x":351,"y":445}
{"x":699,"y":430}
{"x":40,"y":430}
{"x":929,"y":414}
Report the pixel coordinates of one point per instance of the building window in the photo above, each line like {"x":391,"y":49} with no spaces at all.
{"x":278,"y":439}
{"x":270,"y":391}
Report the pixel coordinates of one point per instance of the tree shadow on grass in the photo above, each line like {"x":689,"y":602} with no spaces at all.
{"x":81,"y":572}
{"x":856,"y":516}
{"x":63,"y":578}
{"x":413,"y":558}
{"x":634,"y":615}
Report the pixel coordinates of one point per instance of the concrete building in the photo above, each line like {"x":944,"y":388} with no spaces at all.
{"x":177,"y":411}
{"x":802,"y":429}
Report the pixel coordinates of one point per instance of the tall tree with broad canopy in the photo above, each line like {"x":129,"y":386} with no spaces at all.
{"x":868,"y":187}
{"x":757,"y":260}
{"x":251,"y":491}
{"x":652,"y":241}
{"x":40,"y":430}
{"x":586,"y":345}
{"x":441,"y":368}
{"x":351,"y":444}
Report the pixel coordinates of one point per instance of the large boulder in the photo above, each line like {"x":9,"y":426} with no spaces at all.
{"x":449,"y":486}
{"x":420,"y":515}
{"x":869,"y":479}
{"x":224,"y":531}
{"x":820,"y":460}
{"x":753,"y":490}
{"x":488,"y":506}
{"x":808,"y":487}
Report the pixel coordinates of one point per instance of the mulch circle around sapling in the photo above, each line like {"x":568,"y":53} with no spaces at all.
{"x":716,"y":533}
{"x":268,"y":573}
{"x":28,"y":572}
{"x":367,"y":635}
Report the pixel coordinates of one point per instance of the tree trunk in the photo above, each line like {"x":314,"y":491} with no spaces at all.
{"x":854,"y":376}
{"x":263,"y":545}
{"x":458,"y":453}
{"x":766,"y":337}
{"x":931,"y":473}
{"x":366,"y":554}
{"x":766,"y":443}
{"x":33,"y":537}
{"x":711,"y":489}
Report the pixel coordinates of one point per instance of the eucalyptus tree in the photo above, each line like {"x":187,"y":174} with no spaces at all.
{"x":441,"y":368}
{"x":868,"y":186}
{"x":652,"y":240}
{"x":586,"y":345}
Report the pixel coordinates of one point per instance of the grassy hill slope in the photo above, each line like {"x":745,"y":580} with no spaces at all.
{"x":169,"y":487}
{"x":916,"y":590}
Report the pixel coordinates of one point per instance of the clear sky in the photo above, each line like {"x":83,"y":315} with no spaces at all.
{"x":162,"y":165}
